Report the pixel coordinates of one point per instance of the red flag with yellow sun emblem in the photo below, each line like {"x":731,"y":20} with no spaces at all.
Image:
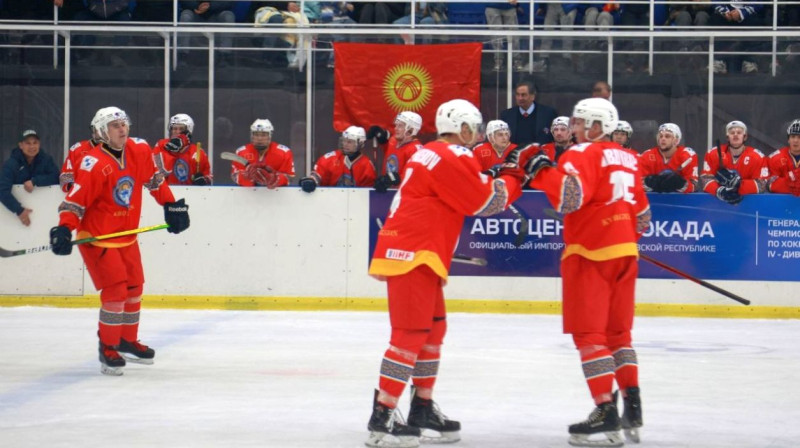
{"x":374,"y":82}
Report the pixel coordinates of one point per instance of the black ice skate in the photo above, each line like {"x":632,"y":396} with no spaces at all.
{"x":433,"y":425}
{"x":387,"y":430}
{"x":139,"y":353}
{"x":604,"y":420}
{"x":110,"y":361}
{"x":632,"y":415}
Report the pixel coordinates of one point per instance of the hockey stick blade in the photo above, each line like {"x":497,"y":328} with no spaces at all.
{"x":457,"y":258}
{"x":523,"y":226}
{"x":233,"y":157}
{"x":554,"y":214}
{"x":5,"y":253}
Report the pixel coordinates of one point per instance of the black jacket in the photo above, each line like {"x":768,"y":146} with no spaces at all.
{"x":43,"y":171}
{"x":537,"y":125}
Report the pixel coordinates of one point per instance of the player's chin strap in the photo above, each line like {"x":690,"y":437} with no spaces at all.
{"x":555,"y":215}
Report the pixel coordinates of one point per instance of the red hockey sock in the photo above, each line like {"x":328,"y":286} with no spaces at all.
{"x":396,"y":369}
{"x":111,"y":311}
{"x":627,"y":368}
{"x":598,"y":368}
{"x":426,"y":369}
{"x":130,"y":319}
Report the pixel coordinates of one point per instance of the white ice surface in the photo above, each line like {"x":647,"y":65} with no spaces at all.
{"x":305,"y":379}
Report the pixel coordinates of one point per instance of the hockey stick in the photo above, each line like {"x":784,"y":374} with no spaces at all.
{"x":233,"y":157}
{"x":553,"y":214}
{"x":475,"y":261}
{"x":5,"y":253}
{"x":523,"y":226}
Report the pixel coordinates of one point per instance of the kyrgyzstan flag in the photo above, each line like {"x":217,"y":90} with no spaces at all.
{"x":374,"y":82}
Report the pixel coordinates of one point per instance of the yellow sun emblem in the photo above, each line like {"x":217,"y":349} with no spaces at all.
{"x":407,"y":86}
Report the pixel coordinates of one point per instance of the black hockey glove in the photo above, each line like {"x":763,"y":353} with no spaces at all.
{"x":379,"y":134}
{"x":729,"y":195}
{"x":176,"y":215}
{"x":537,"y":163}
{"x":728,"y":178}
{"x":199,"y":179}
{"x":653,"y":183}
{"x":383,"y":183}
{"x":308,"y":184}
{"x":494,"y":171}
{"x":176,"y":145}
{"x":672,"y":182}
{"x":61,"y":240}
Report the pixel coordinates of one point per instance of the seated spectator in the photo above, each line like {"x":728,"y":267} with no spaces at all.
{"x":427,"y":13}
{"x":562,"y":138}
{"x":345,"y":167}
{"x":73,"y":160}
{"x":638,"y":15}
{"x":181,"y":161}
{"x":622,"y":135}
{"x":601,"y":89}
{"x":683,"y":15}
{"x":669,"y":167}
{"x":208,"y":11}
{"x":30,"y":167}
{"x":742,"y":169}
{"x":284,"y":14}
{"x":270,"y":164}
{"x":736,"y":14}
{"x":337,"y":13}
{"x":379,"y":12}
{"x":102,"y":11}
{"x":596,"y":17}
{"x":503,"y":15}
{"x":397,"y":148}
{"x":561,"y":15}
{"x":784,"y":164}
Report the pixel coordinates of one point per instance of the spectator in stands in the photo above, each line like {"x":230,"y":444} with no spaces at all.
{"x":601,"y":89}
{"x":504,"y":15}
{"x":102,"y":11}
{"x":379,"y":12}
{"x":209,"y":11}
{"x":561,"y":15}
{"x":736,"y":14}
{"x":269,"y":164}
{"x":596,"y":17}
{"x":529,"y":121}
{"x":683,"y":15}
{"x":285,"y":14}
{"x":345,"y":167}
{"x":669,"y":167}
{"x":338,"y":14}
{"x":427,"y":13}
{"x":638,"y":15}
{"x":153,"y":11}
{"x":30,"y":167}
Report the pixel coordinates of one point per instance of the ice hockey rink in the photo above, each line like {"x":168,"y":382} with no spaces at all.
{"x":305,"y":379}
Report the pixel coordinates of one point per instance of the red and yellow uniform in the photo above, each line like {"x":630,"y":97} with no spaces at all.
{"x":554,"y":151}
{"x":683,"y":162}
{"x":781,"y":162}
{"x":488,"y":157}
{"x":179,"y":168}
{"x":74,"y":157}
{"x":335,"y":169}
{"x":751,"y":165}
{"x":395,"y":157}
{"x":276,"y":156}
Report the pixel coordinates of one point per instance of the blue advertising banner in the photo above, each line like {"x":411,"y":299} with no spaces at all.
{"x":759,"y":239}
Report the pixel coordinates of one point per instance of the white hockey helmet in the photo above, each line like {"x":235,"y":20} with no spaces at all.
{"x":735,"y":124}
{"x":262,"y":125}
{"x":597,"y":109}
{"x":494,"y":126}
{"x":355,"y":133}
{"x":559,"y":121}
{"x":105,"y":116}
{"x":412,"y":120}
{"x":624,"y":126}
{"x":794,"y":128}
{"x":182,"y":119}
{"x":670,"y":127}
{"x":452,"y":114}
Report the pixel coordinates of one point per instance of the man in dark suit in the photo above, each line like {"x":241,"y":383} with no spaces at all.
{"x":530,"y":121}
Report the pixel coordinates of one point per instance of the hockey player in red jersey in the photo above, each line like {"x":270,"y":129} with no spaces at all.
{"x":396,"y":148}
{"x":271,"y":164}
{"x":181,"y":161}
{"x":73,"y":160}
{"x":562,"y":138}
{"x":599,"y":190}
{"x":442,"y":183}
{"x":622,"y":135}
{"x":345,"y":167}
{"x":784,"y":164}
{"x":669,"y":167}
{"x":496,"y":147}
{"x":743,"y":170}
{"x":106,"y":198}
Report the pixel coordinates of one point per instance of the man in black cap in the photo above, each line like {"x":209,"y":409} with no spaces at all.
{"x":29,"y":167}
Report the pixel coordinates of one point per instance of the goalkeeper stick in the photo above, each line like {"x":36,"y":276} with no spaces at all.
{"x":552,"y":213}
{"x":457,"y":258}
{"x":5,"y":253}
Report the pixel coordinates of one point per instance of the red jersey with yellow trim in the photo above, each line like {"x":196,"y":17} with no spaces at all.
{"x":107,"y":194}
{"x":442,"y":183}
{"x":74,"y":157}
{"x":751,"y":165}
{"x":781,"y":162}
{"x":336,"y":170}
{"x":276,"y":156}
{"x":554,"y":151}
{"x":395,"y":157}
{"x":179,"y":168}
{"x":683,"y":162}
{"x":599,"y":188}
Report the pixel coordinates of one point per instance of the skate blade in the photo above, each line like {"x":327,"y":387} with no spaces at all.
{"x":111,"y":371}
{"x":613,"y":439}
{"x":135,"y":360}
{"x":384,"y":440}
{"x":435,"y":437}
{"x":632,"y":435}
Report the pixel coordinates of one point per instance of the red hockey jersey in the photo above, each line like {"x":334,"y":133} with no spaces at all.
{"x":277,"y":156}
{"x":552,"y":152}
{"x":683,"y":162}
{"x":334,"y":169}
{"x":107,"y":194}
{"x":781,"y":162}
{"x":395,"y":157}
{"x":487,"y":156}
{"x":74,"y":157}
{"x":442,"y":183}
{"x":751,"y":165}
{"x":179,"y":168}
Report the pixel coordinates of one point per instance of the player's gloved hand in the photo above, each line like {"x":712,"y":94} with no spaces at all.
{"x":671,"y":182}
{"x":176,"y":145}
{"x":494,"y":171}
{"x":383,"y":183}
{"x":537,"y":163}
{"x":199,"y":179}
{"x":176,"y":215}
{"x":729,"y":195}
{"x":653,"y":183}
{"x":728,"y":178}
{"x":308,"y":184}
{"x":261,"y":174}
{"x":61,"y":240}
{"x":513,"y":170}
{"x":378,"y":133}
{"x":513,"y":156}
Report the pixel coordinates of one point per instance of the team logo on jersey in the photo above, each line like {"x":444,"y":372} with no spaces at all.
{"x":397,"y":254}
{"x":392,"y":164}
{"x":123,"y":191}
{"x":88,"y":163}
{"x":181,"y":170}
{"x":346,"y":180}
{"x":407,"y":86}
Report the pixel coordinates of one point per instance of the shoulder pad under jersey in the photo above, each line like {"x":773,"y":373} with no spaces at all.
{"x":757,"y":151}
{"x":240,"y":149}
{"x":283,"y":148}
{"x":689,"y":150}
{"x":138,"y":140}
{"x":328,"y":155}
{"x":75,"y":146}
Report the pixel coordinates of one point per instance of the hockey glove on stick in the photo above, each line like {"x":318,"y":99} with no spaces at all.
{"x":176,"y":215}
{"x":537,"y":163}
{"x":308,"y":184}
{"x":729,"y":195}
{"x":653,"y":183}
{"x":378,"y":133}
{"x":199,"y":179}
{"x":671,"y":182}
{"x":390,"y":179}
{"x":61,"y":240}
{"x":176,"y":145}
{"x":728,"y":178}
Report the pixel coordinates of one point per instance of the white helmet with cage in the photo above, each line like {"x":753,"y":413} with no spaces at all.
{"x":624,"y":126}
{"x":104,"y":117}
{"x":672,"y":128}
{"x":262,"y":125}
{"x":559,"y":121}
{"x":454,"y":113}
{"x":412,"y":120}
{"x":182,"y":119}
{"x":356,"y":133}
{"x":794,"y":128}
{"x":735,"y":124}
{"x":601,"y":110}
